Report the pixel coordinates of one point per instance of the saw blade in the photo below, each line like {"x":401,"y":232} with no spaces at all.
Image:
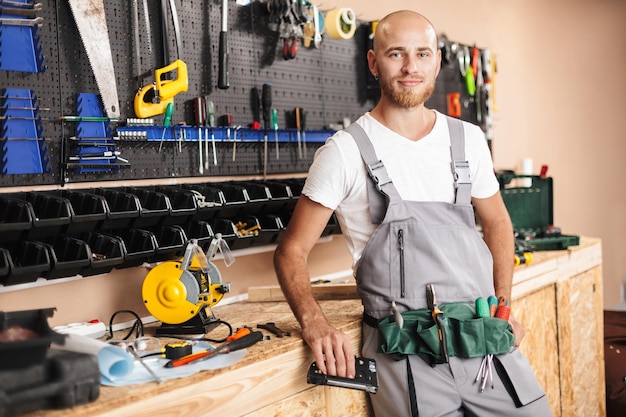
{"x":92,"y":27}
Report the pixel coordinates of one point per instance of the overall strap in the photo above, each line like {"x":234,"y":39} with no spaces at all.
{"x":381,"y":185}
{"x":460,"y":165}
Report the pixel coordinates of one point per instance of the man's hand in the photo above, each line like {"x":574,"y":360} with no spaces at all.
{"x":518,"y":330}
{"x":332,"y":350}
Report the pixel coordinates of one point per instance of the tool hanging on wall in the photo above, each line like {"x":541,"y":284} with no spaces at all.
{"x":222,"y":79}
{"x":152,"y":99}
{"x":92,"y":27}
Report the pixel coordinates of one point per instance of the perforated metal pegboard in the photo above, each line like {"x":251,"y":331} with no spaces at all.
{"x":329,"y":84}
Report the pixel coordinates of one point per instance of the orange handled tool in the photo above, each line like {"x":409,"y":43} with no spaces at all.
{"x":237,"y":344}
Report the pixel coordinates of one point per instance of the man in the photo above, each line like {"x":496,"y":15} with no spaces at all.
{"x":424,"y":235}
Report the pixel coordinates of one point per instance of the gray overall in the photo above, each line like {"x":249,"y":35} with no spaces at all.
{"x":420,"y":243}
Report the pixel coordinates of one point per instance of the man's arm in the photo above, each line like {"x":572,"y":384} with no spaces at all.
{"x":498,"y":234}
{"x":332,"y":349}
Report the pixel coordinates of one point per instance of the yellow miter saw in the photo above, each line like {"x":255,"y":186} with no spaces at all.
{"x":181,"y":293}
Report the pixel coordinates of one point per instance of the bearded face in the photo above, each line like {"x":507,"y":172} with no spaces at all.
{"x":406,"y":97}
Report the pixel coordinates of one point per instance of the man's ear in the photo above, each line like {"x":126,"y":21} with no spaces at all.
{"x":438,"y":62}
{"x":371,"y":62}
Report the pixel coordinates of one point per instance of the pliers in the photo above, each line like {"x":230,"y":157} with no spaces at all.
{"x":431,"y":299}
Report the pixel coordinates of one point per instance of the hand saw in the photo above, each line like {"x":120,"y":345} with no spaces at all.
{"x":92,"y":27}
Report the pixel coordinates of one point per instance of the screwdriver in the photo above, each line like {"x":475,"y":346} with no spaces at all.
{"x":297,"y":111}
{"x":244,"y":341}
{"x":210,"y":118}
{"x":266,"y":101}
{"x":169,"y":109}
{"x":275,"y":127}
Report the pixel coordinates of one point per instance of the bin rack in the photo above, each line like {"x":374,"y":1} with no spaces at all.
{"x":210,"y":200}
{"x":68,"y":256}
{"x":140,"y":246}
{"x":153,"y":207}
{"x":171,"y":242}
{"x":88,"y":210}
{"x":16,"y":218}
{"x":200,"y":231}
{"x":107,"y":253}
{"x":51,"y":214}
{"x":27,"y":260}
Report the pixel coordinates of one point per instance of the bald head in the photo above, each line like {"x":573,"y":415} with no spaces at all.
{"x":402,"y":21}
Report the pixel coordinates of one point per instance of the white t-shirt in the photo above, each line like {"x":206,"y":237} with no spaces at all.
{"x":420,"y":170}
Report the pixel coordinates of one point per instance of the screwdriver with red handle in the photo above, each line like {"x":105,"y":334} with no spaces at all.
{"x":246,"y":340}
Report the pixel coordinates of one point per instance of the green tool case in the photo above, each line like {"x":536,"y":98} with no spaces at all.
{"x":529,"y":200}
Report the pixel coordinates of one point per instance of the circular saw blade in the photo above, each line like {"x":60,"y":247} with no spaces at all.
{"x":171,"y":295}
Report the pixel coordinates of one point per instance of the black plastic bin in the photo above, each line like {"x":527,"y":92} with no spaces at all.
{"x":68,"y":256}
{"x":171,"y":242}
{"x":140,"y":246}
{"x":236,"y":200}
{"x":4,"y":263}
{"x":153,"y":207}
{"x":16,"y":218}
{"x":234,"y":231}
{"x":227,"y":229}
{"x":271,"y":227}
{"x":51,"y":213}
{"x":28,"y":260}
{"x":184,"y":204}
{"x":281,"y":197}
{"x":201,"y":231}
{"x":89,"y":210}
{"x":210,"y":200}
{"x":122,"y":207}
{"x":107,"y":252}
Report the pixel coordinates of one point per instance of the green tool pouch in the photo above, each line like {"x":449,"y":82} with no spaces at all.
{"x":467,"y":336}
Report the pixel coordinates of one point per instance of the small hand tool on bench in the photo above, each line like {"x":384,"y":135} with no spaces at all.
{"x":271,"y":327}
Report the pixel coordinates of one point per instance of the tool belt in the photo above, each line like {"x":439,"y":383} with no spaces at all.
{"x":468,"y":336}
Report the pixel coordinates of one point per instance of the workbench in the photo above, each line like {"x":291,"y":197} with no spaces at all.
{"x":557,"y":297}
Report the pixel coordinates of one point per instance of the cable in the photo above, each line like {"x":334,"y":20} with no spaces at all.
{"x":137,"y":326}
{"x":204,"y":339}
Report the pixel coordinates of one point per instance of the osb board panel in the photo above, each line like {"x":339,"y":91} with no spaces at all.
{"x":540,"y":340}
{"x":581,"y":341}
{"x":320,"y":401}
{"x":309,"y":403}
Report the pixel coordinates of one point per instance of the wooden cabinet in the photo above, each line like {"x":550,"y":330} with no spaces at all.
{"x":558,"y":299}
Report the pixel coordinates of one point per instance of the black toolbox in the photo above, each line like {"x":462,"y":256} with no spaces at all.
{"x":32,"y":375}
{"x":529,"y":201}
{"x":64,"y":379}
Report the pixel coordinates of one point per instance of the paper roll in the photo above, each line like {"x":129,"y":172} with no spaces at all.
{"x":113,"y":361}
{"x":340,"y":23}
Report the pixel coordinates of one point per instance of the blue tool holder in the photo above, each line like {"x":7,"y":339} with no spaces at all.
{"x":20,"y":48}
{"x":93,"y":138}
{"x":24,"y":149}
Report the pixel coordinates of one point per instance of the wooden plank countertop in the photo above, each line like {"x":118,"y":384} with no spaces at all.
{"x":275,"y":369}
{"x":271,"y":370}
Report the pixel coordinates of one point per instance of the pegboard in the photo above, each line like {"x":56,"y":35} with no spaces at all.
{"x":329,"y":84}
